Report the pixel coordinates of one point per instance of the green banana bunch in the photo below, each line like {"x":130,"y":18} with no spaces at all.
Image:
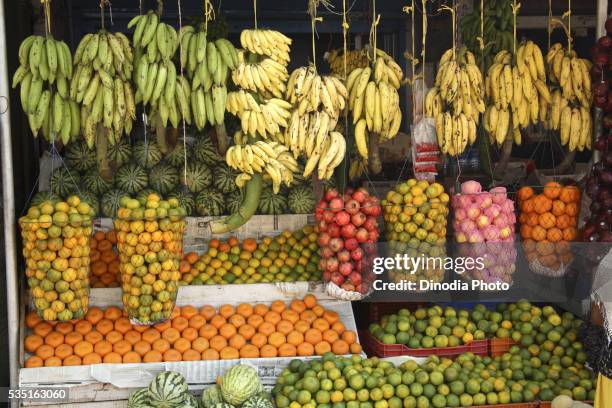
{"x":498,"y":22}
{"x":101,"y":85}
{"x":208,"y":64}
{"x":518,"y":93}
{"x":456,"y":101}
{"x":264,"y":119}
{"x":265,"y":157}
{"x":44,"y":74}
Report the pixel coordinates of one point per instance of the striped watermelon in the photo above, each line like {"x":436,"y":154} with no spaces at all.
{"x":240,"y":383}
{"x":211,"y":396}
{"x":139,"y":399}
{"x":95,"y":183}
{"x":258,"y":402}
{"x":197,"y":177}
{"x":131,"y":178}
{"x":63,"y":182}
{"x":146,"y":154}
{"x":176,"y":157}
{"x":205,"y":151}
{"x":79,"y":156}
{"x":120,"y":152}
{"x":167,"y":390}
{"x":210,"y":203}
{"x":163,"y":178}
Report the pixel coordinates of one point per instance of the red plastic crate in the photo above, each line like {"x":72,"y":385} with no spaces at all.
{"x":498,"y":346}
{"x":375,"y":347}
{"x":380,"y":309}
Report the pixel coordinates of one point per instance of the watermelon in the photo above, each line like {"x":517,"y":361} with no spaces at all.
{"x":211,"y":396}
{"x":43,"y":196}
{"x":79,"y":156}
{"x":139,"y":399}
{"x":205,"y":151}
{"x":120,"y":152}
{"x":176,"y":157}
{"x":146,"y":154}
{"x":185,"y":200}
{"x":270,"y":203}
{"x":92,"y":199}
{"x":190,"y":402}
{"x":197,"y":177}
{"x":240,"y":383}
{"x":233,"y":201}
{"x":163,"y":177}
{"x":258,"y":401}
{"x":63,"y":182}
{"x":111,"y":201}
{"x":95,"y":183}
{"x":168,"y":390}
{"x":210,"y":203}
{"x":225,"y":178}
{"x":131,"y":178}
{"x":224,"y":405}
{"x":301,"y":200}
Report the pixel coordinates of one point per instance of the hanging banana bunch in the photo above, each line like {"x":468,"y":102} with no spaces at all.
{"x":208,"y":64}
{"x":158,"y":84}
{"x":318,"y":101}
{"x":101,"y":85}
{"x":263,"y":119}
{"x":571,"y":101}
{"x":267,"y":157}
{"x":517,"y":92}
{"x":354,"y":59}
{"x":44,"y":74}
{"x":374,"y":101}
{"x":456,"y":101}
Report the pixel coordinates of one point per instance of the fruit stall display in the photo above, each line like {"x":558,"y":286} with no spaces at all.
{"x":56,"y":250}
{"x":347,"y":235}
{"x":150,"y":245}
{"x":302,"y":327}
{"x":484,"y":227}
{"x":548,"y":223}
{"x":415,"y":215}
{"x":468,"y":380}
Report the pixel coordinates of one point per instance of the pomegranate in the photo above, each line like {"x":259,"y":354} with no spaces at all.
{"x":348,"y":231}
{"x":336,"y":244}
{"x":336,"y":204}
{"x":344,"y":256}
{"x":351,"y":244}
{"x":342,"y":218}
{"x":345,"y":268}
{"x":352,"y":206}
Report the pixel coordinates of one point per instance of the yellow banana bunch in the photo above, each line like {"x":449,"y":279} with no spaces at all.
{"x":264,"y":119}
{"x":264,"y":76}
{"x":44,"y":76}
{"x":266,"y":157}
{"x":374,"y":100}
{"x":309,"y":91}
{"x":270,"y":43}
{"x":101,"y":85}
{"x":208,"y":64}
{"x":354,"y":59}
{"x":357,"y":168}
{"x":456,"y":101}
{"x":572,"y":74}
{"x":517,"y":92}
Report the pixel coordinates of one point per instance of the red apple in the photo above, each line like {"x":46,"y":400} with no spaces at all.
{"x":336,"y":204}
{"x":351,"y":244}
{"x":357,"y":254}
{"x":336,"y":244}
{"x":348,"y":231}
{"x":358,"y":219}
{"x":361,"y":235}
{"x":371,"y":224}
{"x":331,"y":194}
{"x":360,"y":195}
{"x":345,"y":268}
{"x":342,"y":218}
{"x":352,"y":206}
{"x":333,"y":230}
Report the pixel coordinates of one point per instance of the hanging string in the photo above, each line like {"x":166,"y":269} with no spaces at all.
{"x":255,"y":12}
{"x":549,"y":22}
{"x":312,"y":10}
{"x":140,"y":6}
{"x":515,"y":8}
{"x":569,"y":26}
{"x":182,"y":65}
{"x":345,"y":28}
{"x":47,"y":13}
{"x":373,"y":30}
{"x":102,"y":14}
{"x":209,"y":14}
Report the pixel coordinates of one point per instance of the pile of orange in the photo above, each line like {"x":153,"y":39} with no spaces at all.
{"x":300,"y":328}
{"x":548,"y":223}
{"x":104,"y":260}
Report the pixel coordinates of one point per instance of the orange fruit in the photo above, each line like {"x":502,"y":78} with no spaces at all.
{"x":318,"y":310}
{"x":298,"y":306}
{"x":141,"y":347}
{"x":42,"y":329}
{"x":197,"y":321}
{"x":229,"y":353}
{"x":72,"y":361}
{"x":268,"y":351}
{"x":32,"y":319}
{"x":320,"y":324}
{"x":191,"y":355}
{"x":34,"y":361}
{"x":259,"y":339}
{"x":113,"y":336}
{"x":104,"y":326}
{"x":132,"y":336}
{"x":32,"y":342}
{"x":278,"y":306}
{"x":73,"y":338}
{"x":355,"y":348}
{"x":244,"y":309}
{"x":305,"y":349}
{"x":189,"y":333}
{"x":287,"y":350}
{"x":310,"y":301}
{"x":218,"y":321}
{"x":181,"y":345}
{"x":63,"y":350}
{"x":113,"y":313}
{"x":64,"y":327}
{"x":152,"y":356}
{"x":276,"y":339}
{"x":261,"y":309}
{"x":150,"y":335}
{"x":308,"y":316}
{"x":218,"y":342}
{"x":349,"y":336}
{"x":237,"y":320}
{"x":122,"y":347}
{"x":160,"y":327}
{"x":313,"y":336}
{"x":180,"y":323}
{"x":200,"y":344}
{"x":210,"y":354}
{"x":161,"y":345}
{"x":247,"y":331}
{"x":284,"y":326}
{"x":266,"y":328}
{"x":123,"y":325}
{"x":188,"y":311}
{"x":249,"y":351}
{"x":552,"y":190}
{"x":322,"y":348}
{"x":172,"y":355}
{"x":290,"y":316}
{"x":207,"y":312}
{"x":83,"y":348}
{"x":103,"y":348}
{"x":207,"y":331}
{"x":131,"y":357}
{"x":112,"y":358}
{"x":92,"y":358}
{"x":302,"y":326}
{"x":171,"y":334}
{"x":295,"y":338}
{"x":227,"y":330}
{"x":340,"y":347}
{"x":237,"y":341}
{"x":53,"y":362}
{"x":226,"y":310}
{"x":338,"y":327}
{"x":54,"y":339}
{"x":330,"y":316}
{"x":272,"y":317}
{"x":330,"y":336}
{"x":255,"y":320}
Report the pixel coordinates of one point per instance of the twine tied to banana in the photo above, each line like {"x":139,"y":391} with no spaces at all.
{"x":373,"y":32}
{"x":255,"y":12}
{"x":312,"y":10}
{"x":453,"y":12}
{"x":209,"y":14}
{"x":345,"y":28}
{"x":47,"y":12}
{"x":515,"y":9}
